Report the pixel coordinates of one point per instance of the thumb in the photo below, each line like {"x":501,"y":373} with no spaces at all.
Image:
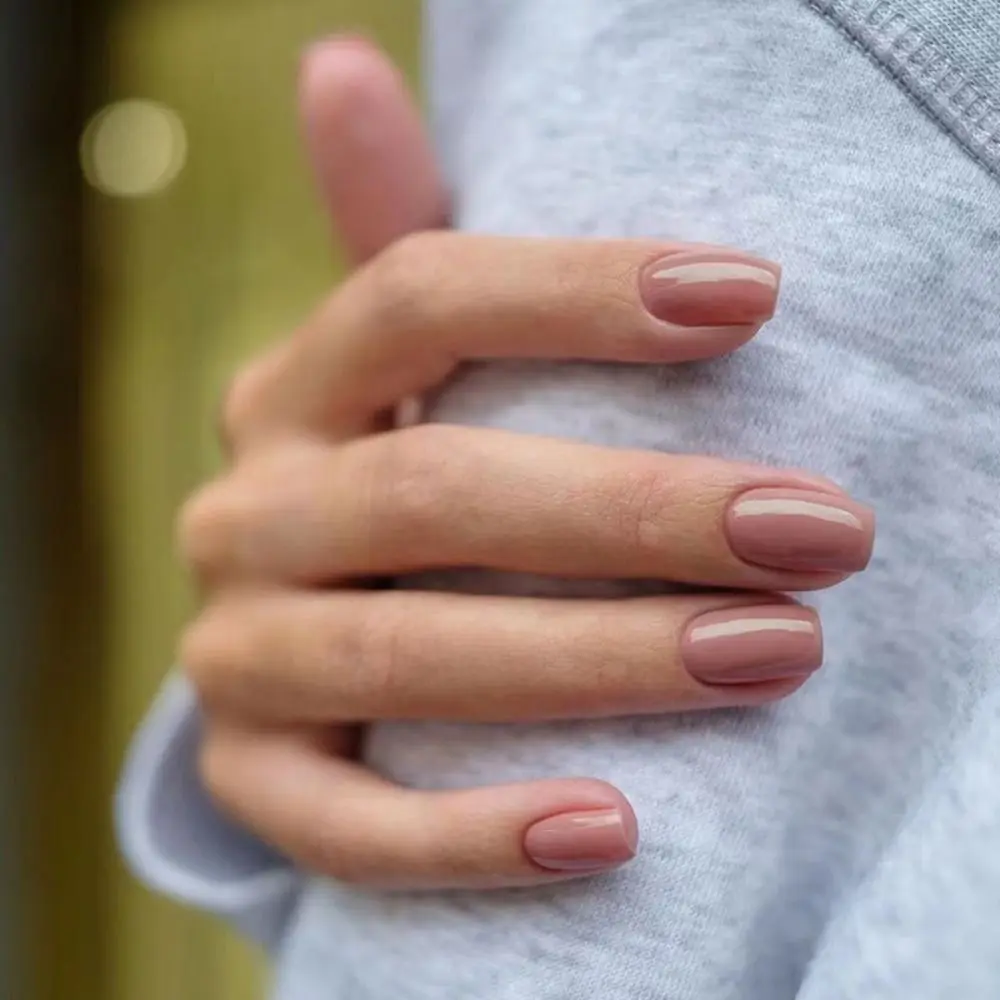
{"x":367,"y":145}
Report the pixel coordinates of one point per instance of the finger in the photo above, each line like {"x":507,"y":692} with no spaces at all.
{"x":339,"y":819}
{"x":443,"y":497}
{"x":369,"y":151}
{"x":351,"y":655}
{"x":403,"y":323}
{"x":376,"y":175}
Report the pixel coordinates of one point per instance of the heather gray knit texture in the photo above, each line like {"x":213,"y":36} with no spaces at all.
{"x":845,"y":843}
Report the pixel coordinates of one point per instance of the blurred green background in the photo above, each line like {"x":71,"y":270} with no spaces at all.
{"x":198,"y":240}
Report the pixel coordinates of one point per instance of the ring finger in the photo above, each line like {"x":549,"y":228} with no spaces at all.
{"x":362,"y":655}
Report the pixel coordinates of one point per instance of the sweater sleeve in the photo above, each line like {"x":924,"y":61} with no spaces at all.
{"x":178,"y":843}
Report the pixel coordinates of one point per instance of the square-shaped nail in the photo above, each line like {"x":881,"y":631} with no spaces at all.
{"x":803,"y":530}
{"x":711,"y":288}
{"x":751,"y":645}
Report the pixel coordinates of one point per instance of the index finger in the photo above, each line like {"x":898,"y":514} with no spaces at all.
{"x":411,"y":316}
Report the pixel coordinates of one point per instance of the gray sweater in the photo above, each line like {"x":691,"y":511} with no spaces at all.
{"x":842,"y":844}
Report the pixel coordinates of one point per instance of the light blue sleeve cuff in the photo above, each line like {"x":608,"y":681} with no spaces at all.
{"x":178,"y":843}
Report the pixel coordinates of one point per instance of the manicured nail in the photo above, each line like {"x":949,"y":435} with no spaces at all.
{"x":801,"y":530}
{"x":711,"y":288}
{"x":753,"y":644}
{"x":583,"y":841}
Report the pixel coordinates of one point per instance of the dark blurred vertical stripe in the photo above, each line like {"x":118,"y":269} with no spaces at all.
{"x":50,"y":734}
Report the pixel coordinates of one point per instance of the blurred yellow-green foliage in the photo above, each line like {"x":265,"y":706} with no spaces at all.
{"x":182,"y":283}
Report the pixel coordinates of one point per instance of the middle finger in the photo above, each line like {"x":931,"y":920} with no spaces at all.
{"x":449,"y":497}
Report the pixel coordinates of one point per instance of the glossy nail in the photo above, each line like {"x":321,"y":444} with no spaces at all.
{"x":753,"y":644}
{"x":711,"y":289}
{"x":801,"y":530}
{"x":583,"y":841}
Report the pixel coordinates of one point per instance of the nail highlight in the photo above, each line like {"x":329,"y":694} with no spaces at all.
{"x":583,"y":841}
{"x":711,"y":289}
{"x":801,"y":530}
{"x":753,"y":644}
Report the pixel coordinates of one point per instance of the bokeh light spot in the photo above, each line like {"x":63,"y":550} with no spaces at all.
{"x":133,"y":148}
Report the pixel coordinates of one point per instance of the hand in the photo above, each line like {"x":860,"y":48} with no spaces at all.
{"x":290,"y":650}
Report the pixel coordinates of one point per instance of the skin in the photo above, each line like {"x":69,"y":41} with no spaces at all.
{"x":290,"y":651}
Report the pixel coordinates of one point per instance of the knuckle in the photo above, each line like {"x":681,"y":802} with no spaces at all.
{"x":206,"y":525}
{"x":400,"y":277}
{"x":606,"y":283}
{"x":374,"y":660}
{"x":643,"y":510}
{"x":241,"y":399}
{"x":410,"y":479}
{"x":207,"y":657}
{"x":337,"y":849}
{"x":216,"y":653}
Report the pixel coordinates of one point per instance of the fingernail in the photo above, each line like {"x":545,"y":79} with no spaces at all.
{"x":801,"y":530}
{"x":583,"y":841}
{"x":752,"y":644}
{"x":711,"y":288}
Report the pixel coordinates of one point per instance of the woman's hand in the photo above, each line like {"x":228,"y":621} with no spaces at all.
{"x":321,"y":495}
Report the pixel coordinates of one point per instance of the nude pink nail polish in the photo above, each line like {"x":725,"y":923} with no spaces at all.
{"x":711,"y":289}
{"x":801,"y":530}
{"x":583,"y":841}
{"x":748,"y":645}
